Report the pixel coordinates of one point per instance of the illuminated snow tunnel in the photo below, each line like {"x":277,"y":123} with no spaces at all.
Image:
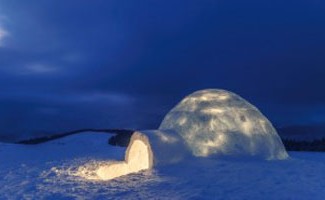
{"x":220,"y":123}
{"x":146,"y":148}
{"x":138,"y":157}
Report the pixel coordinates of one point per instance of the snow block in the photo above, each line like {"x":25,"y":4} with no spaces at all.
{"x":216,"y":122}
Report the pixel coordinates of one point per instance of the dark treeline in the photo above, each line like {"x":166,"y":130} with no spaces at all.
{"x":61,"y":135}
{"x":295,"y":145}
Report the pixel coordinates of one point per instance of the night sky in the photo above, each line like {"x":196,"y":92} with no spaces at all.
{"x":66,"y":65}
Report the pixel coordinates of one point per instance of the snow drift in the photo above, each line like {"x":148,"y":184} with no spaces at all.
{"x":218,"y":122}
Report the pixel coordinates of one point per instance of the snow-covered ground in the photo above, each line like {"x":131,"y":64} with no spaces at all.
{"x":62,"y":169}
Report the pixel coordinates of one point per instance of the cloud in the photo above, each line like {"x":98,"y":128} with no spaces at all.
{"x":30,"y":69}
{"x":3,"y":32}
{"x":108,"y":97}
{"x":71,"y":98}
{"x":38,"y":68}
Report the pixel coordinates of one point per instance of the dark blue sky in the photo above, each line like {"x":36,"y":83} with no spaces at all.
{"x":114,"y":63}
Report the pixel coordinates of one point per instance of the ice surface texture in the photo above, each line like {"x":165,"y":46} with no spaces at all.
{"x":220,"y":123}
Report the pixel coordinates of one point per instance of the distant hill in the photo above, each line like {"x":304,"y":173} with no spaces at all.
{"x":113,"y":141}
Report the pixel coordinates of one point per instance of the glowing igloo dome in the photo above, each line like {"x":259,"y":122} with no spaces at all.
{"x":218,"y":122}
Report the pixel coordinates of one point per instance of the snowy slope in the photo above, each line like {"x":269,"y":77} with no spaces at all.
{"x":57,"y":170}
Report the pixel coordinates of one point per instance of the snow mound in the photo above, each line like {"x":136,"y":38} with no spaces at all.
{"x":218,"y":122}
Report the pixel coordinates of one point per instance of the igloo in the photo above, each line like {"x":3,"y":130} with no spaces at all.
{"x":216,"y":122}
{"x":206,"y":123}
